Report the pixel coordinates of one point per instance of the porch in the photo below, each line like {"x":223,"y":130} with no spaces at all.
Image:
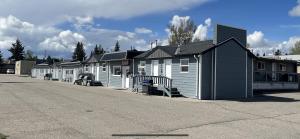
{"x":158,"y":83}
{"x":275,"y":81}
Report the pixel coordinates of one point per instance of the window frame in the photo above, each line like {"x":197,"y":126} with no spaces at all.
{"x":282,"y":67}
{"x":141,"y":67}
{"x":114,"y":67}
{"x":262,"y":63}
{"x":188,"y":64}
{"x":104,"y":67}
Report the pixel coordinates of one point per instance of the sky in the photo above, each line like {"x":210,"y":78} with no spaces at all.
{"x":53,"y":27}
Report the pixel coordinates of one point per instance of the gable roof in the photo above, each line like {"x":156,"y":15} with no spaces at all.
{"x":70,"y":64}
{"x":93,"y":58}
{"x":114,"y":56}
{"x":189,"y":49}
{"x":195,"y":48}
{"x":117,"y":56}
{"x":230,"y":39}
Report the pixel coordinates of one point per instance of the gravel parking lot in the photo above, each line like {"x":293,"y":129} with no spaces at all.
{"x":36,"y":109}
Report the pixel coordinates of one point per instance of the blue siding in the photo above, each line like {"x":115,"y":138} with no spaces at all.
{"x":185,"y":82}
{"x":114,"y":81}
{"x":206,"y":75}
{"x":103,"y":75}
{"x":230,"y":71}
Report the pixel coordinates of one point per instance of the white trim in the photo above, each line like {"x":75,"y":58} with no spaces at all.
{"x":200,"y":77}
{"x":184,"y":65}
{"x":252,"y":78}
{"x":165,"y":63}
{"x":246,"y":93}
{"x":215,"y":80}
{"x":114,"y":70}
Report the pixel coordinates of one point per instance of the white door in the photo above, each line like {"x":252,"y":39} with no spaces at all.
{"x":125,"y":77}
{"x":168,"y":72}
{"x":155,"y":67}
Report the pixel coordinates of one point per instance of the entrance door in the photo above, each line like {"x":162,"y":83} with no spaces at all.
{"x":125,"y":78}
{"x":155,"y":67}
{"x":168,"y":63}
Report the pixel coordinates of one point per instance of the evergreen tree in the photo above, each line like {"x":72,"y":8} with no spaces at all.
{"x":96,"y":50}
{"x":49,"y":60}
{"x":79,"y":52}
{"x":17,"y":51}
{"x":117,"y":47}
{"x":29,"y":56}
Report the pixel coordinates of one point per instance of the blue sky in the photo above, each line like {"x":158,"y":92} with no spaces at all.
{"x":59,"y":24}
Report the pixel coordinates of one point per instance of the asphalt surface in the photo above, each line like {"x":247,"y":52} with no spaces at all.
{"x":36,"y":109}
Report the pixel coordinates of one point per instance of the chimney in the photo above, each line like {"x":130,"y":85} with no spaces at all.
{"x":223,"y":33}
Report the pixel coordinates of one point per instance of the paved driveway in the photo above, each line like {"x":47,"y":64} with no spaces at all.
{"x":36,"y":109}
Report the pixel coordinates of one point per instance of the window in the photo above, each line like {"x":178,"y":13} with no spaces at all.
{"x":71,"y":71}
{"x":103,"y":67}
{"x":260,"y":65}
{"x":141,"y":67}
{"x":282,"y":67}
{"x":86,"y":68}
{"x":117,"y":70}
{"x":184,"y":65}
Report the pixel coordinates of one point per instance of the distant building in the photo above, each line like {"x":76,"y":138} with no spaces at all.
{"x":23,"y":67}
{"x":288,"y":57}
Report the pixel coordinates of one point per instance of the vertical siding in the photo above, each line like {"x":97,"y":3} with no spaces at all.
{"x":185,"y":82}
{"x":115,"y":81}
{"x":103,"y":74}
{"x":249,"y":76}
{"x":206,"y":75}
{"x":230,"y":71}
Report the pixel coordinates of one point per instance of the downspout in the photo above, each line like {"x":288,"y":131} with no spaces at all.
{"x":197,"y":82}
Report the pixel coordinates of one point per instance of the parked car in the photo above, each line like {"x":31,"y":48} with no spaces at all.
{"x":48,"y":76}
{"x":10,"y":71}
{"x":87,"y":79}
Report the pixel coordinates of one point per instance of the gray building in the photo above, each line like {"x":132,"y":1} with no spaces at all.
{"x":213,"y":69}
{"x":275,"y":74}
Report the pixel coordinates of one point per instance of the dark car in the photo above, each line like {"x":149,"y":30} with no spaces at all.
{"x":87,"y":79}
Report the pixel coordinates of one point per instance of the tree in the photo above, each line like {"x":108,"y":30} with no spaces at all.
{"x":79,"y":52}
{"x":277,"y":53}
{"x":49,"y":60}
{"x":182,"y":34}
{"x":17,"y":51}
{"x":29,"y":56}
{"x":117,"y":47}
{"x":1,"y":58}
{"x":296,"y":49}
{"x":96,"y":50}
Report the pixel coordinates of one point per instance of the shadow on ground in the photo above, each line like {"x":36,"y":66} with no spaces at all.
{"x":268,"y":98}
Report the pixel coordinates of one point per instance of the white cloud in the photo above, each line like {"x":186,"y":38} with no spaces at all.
{"x":177,"y":21}
{"x":65,"y":41}
{"x":57,"y":10}
{"x":296,"y":10}
{"x":257,"y":40}
{"x":12,"y":28}
{"x":143,"y":31}
{"x":202,"y":31}
{"x":259,"y":44}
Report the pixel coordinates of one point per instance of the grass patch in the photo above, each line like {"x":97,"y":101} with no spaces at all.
{"x":3,"y":136}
